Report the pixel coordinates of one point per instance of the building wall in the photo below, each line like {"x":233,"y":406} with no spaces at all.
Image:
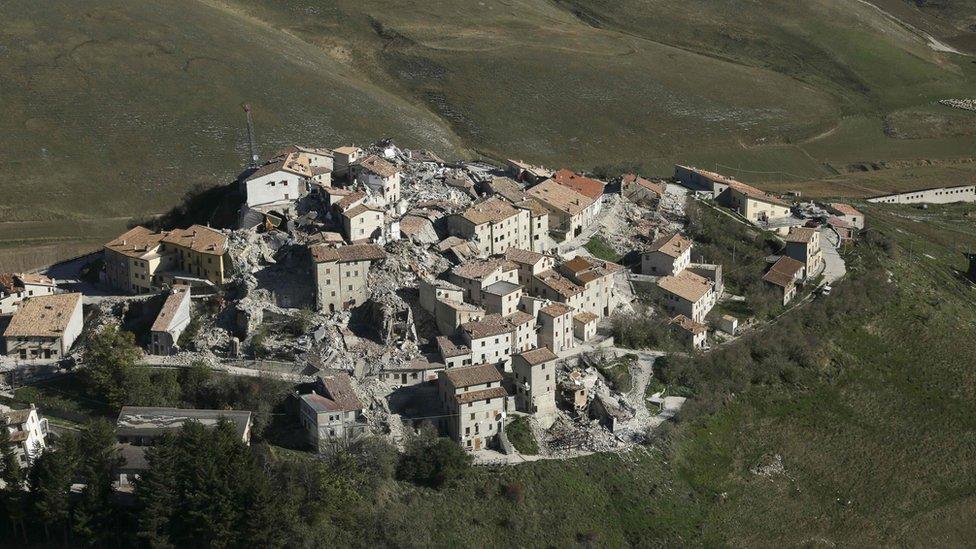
{"x":321,"y":428}
{"x":274,"y":187}
{"x":535,"y":387}
{"x":429,"y":294}
{"x":695,"y":311}
{"x":341,"y":162}
{"x":501,"y":304}
{"x":695,"y":181}
{"x":810,"y":254}
{"x":539,"y":233}
{"x":9,"y":303}
{"x":661,"y":264}
{"x":495,"y":349}
{"x":448,"y":317}
{"x":365,"y":226}
{"x":757,"y":210}
{"x":163,"y":342}
{"x":34,"y":443}
{"x":941,"y":195}
{"x":386,"y":187}
{"x":556,"y":332}
{"x":525,"y":338}
{"x":473,"y":425}
{"x":28,"y":348}
{"x":340,"y":285}
{"x":584,"y":331}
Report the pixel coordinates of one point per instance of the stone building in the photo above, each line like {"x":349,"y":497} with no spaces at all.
{"x":379,"y":176}
{"x":688,"y":294}
{"x":570,"y":212}
{"x":15,"y":288}
{"x":784,"y":276}
{"x":690,"y":334}
{"x":341,"y":274}
{"x":27,"y":431}
{"x":803,"y":245}
{"x":44,"y":327}
{"x":494,"y":225}
{"x":556,"y":327}
{"x":141,"y":261}
{"x":474,"y":402}
{"x":279,"y":183}
{"x":332,"y":412}
{"x":534,"y":373}
{"x":172,"y":320}
{"x":668,"y":255}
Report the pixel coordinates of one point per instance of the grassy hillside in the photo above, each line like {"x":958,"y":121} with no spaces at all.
{"x":117,"y":113}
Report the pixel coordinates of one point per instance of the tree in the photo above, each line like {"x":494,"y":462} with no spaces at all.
{"x":50,"y":485}
{"x":432,"y":461}
{"x":95,"y":517}
{"x":13,"y":479}
{"x":203,"y":487}
{"x":110,"y":357}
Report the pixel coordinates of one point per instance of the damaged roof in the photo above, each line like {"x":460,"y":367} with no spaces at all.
{"x":164,"y":320}
{"x":492,"y":210}
{"x":378,"y":166}
{"x":489,"y":326}
{"x":688,"y":325}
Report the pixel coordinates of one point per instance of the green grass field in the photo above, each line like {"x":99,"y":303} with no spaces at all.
{"x":118,"y":113}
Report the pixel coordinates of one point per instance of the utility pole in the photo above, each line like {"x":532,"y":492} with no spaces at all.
{"x":252,"y":144}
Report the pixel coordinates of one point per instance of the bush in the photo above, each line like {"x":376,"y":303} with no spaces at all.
{"x":432,"y":461}
{"x":520,"y":435}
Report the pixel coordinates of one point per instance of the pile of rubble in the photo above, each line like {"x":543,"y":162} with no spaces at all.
{"x":965,"y":104}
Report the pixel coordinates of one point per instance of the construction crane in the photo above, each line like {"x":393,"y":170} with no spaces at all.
{"x":252,"y":144}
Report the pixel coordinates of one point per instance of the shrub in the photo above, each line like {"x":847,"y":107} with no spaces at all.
{"x":432,"y":461}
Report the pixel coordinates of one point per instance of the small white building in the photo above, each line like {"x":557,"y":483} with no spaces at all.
{"x":279,"y":182}
{"x":668,"y":255}
{"x":28,"y":431}
{"x":171,"y":321}
{"x":690,"y":333}
{"x":15,"y":288}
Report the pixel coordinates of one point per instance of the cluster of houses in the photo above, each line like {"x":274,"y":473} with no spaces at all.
{"x":505,"y":313}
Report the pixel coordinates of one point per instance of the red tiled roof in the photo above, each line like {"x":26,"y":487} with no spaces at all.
{"x":584,"y":185}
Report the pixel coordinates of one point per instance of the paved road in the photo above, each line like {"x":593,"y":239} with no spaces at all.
{"x":834,"y":266}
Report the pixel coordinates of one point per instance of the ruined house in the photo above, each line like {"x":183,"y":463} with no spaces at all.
{"x":172,"y":320}
{"x":332,"y":412}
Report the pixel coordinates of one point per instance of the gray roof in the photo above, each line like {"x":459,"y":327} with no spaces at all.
{"x":151,"y":422}
{"x":501,"y":287}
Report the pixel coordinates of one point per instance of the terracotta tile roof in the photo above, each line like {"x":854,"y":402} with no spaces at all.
{"x":491,"y":210}
{"x":689,"y":325}
{"x":835,"y":221}
{"x":135,"y":242}
{"x":801,"y":235}
{"x":416,"y":365}
{"x":511,"y":190}
{"x":466,"y":376}
{"x":489,"y":326}
{"x":460,"y":305}
{"x":477,"y":269}
{"x":43,"y":316}
{"x":449,"y":243}
{"x":583,"y":270}
{"x":560,"y":197}
{"x":538,"y":356}
{"x":523,"y":257}
{"x":537,"y":171}
{"x":350,"y":200}
{"x":519,"y":318}
{"x":340,"y":395}
{"x":788,"y":265}
{"x":344,"y":254}
{"x":686,"y":285}
{"x":16,"y":417}
{"x":585,"y":317}
{"x":754,"y":193}
{"x":559,"y":284}
{"x":36,"y":279}
{"x":346,"y":150}
{"x":778,"y":278}
{"x":164,"y":320}
{"x":484,"y":394}
{"x":199,"y":239}
{"x":534,"y":206}
{"x":845,"y":209}
{"x":586,"y":186}
{"x":556,"y":309}
{"x":671,"y":246}
{"x":378,"y":166}
{"x":359,"y":210}
{"x":633,"y":179}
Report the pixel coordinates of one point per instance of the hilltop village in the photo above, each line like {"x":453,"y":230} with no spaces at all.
{"x":396,"y":290}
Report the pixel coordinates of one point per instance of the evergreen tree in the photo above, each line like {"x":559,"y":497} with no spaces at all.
{"x":95,"y":515}
{"x":13,"y":479}
{"x":50,"y":486}
{"x":204,"y":487}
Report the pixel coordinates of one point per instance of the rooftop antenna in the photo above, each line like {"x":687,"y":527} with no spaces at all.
{"x":252,"y":144}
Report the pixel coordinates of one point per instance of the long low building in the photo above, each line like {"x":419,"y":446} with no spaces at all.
{"x":935,"y":195}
